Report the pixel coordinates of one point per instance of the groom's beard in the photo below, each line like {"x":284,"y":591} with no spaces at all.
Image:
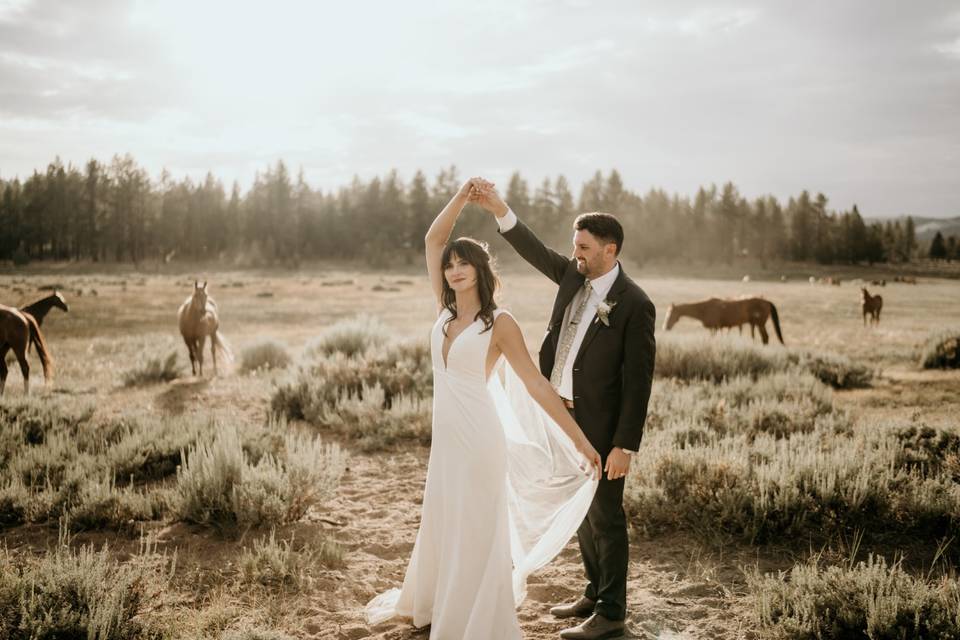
{"x":583,"y":268}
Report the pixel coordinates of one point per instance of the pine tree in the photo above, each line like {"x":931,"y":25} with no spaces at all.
{"x":938,"y":248}
{"x":726,"y":221}
{"x":909,"y":239}
{"x":591,"y":195}
{"x":613,"y":194}
{"x":857,"y":237}
{"x":759,"y":239}
{"x":420,"y":213}
{"x":801,"y":227}
{"x":822,"y":231}
{"x":777,"y":234}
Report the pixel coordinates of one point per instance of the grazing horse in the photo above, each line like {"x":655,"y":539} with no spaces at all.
{"x":716,"y":314}
{"x":870,"y":305}
{"x":41,"y":307}
{"x":198,"y":319}
{"x":17,"y":332}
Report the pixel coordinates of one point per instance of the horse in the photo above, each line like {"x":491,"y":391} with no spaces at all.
{"x":870,"y":305}
{"x":41,"y":307}
{"x":716,"y":314}
{"x":18,"y":331}
{"x":198,"y":319}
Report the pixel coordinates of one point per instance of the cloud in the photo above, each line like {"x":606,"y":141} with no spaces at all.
{"x":60,"y":59}
{"x":856,"y":99}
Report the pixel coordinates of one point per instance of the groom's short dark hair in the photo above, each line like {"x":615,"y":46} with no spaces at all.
{"x":602,"y":225}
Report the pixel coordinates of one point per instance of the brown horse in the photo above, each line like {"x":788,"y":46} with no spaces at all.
{"x":41,"y":307}
{"x":716,"y":314}
{"x":18,"y":331}
{"x":198,"y":319}
{"x":870,"y":305}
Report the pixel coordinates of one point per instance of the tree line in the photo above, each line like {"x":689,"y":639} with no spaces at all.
{"x":115,"y":212}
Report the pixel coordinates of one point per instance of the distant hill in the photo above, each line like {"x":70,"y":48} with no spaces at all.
{"x":927,"y":227}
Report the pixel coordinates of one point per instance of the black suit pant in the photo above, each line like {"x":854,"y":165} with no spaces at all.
{"x":605,"y":549}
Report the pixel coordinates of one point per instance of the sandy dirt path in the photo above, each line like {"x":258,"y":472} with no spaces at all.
{"x":676,"y":589}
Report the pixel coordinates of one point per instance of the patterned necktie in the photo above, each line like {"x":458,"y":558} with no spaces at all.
{"x":567,"y":336}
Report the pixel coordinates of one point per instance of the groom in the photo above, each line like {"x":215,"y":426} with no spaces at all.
{"x":599,"y":353}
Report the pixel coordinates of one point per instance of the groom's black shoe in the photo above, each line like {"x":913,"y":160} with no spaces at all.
{"x":596,"y":627}
{"x":582,"y":608}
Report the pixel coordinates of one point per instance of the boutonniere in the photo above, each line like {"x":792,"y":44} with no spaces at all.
{"x":604,"y":309}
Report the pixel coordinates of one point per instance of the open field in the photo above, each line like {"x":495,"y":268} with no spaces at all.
{"x":687,"y":578}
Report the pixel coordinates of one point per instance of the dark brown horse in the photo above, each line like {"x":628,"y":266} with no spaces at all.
{"x":41,"y":307}
{"x":198,"y":319}
{"x":17,"y":332}
{"x":717,"y":313}
{"x":870,"y":305}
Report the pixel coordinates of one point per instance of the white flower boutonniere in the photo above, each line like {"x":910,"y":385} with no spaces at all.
{"x":604,"y":309}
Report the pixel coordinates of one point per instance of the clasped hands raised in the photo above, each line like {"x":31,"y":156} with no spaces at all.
{"x":482,"y":192}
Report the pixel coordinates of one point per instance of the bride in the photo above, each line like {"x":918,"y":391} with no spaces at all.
{"x":510,"y":475}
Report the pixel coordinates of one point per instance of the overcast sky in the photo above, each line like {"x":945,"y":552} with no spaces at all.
{"x":860,"y":100}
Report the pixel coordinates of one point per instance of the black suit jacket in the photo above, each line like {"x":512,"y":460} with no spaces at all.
{"x":613,"y":369}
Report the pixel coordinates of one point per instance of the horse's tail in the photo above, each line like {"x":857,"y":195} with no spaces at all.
{"x":36,"y":339}
{"x":222,"y":345}
{"x":776,"y":322}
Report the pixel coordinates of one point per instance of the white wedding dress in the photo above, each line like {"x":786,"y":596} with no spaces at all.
{"x":505,"y":492}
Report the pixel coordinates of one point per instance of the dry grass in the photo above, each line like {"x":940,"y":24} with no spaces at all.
{"x":728,"y":463}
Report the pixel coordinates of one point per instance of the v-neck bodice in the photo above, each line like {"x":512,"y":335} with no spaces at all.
{"x":467,"y":353}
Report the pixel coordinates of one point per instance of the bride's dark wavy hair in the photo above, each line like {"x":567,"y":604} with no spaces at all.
{"x":477,"y":255}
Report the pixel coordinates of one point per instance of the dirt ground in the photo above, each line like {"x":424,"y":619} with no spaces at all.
{"x":679,"y":586}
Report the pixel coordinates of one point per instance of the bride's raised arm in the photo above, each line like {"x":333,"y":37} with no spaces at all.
{"x":509,"y":339}
{"x":439,"y":233}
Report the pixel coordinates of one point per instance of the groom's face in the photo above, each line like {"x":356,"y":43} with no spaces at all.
{"x":594,"y":258}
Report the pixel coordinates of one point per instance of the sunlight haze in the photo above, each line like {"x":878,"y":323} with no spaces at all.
{"x":857,"y":100}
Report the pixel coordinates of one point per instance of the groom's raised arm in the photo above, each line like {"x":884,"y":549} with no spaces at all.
{"x":528,"y":245}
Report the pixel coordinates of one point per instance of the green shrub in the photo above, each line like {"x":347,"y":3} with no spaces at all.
{"x":778,"y":404}
{"x":363,"y":418}
{"x":716,"y":359}
{"x":99,"y":504}
{"x":402,"y":369}
{"x":28,"y":420}
{"x":256,"y":634}
{"x":929,"y":451}
{"x":835,"y":370}
{"x":218,"y":485}
{"x":265,"y":355}
{"x":721,"y":359}
{"x":50,"y":464}
{"x":351,"y":337}
{"x":276,"y":563}
{"x":153,"y":371}
{"x":80,"y":594}
{"x":941,"y":350}
{"x":764,"y":487}
{"x":75,"y":468}
{"x":152,"y":449}
{"x":869,"y":600}
{"x":14,"y":498}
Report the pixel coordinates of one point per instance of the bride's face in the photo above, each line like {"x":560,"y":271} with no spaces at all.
{"x":460,"y":274}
